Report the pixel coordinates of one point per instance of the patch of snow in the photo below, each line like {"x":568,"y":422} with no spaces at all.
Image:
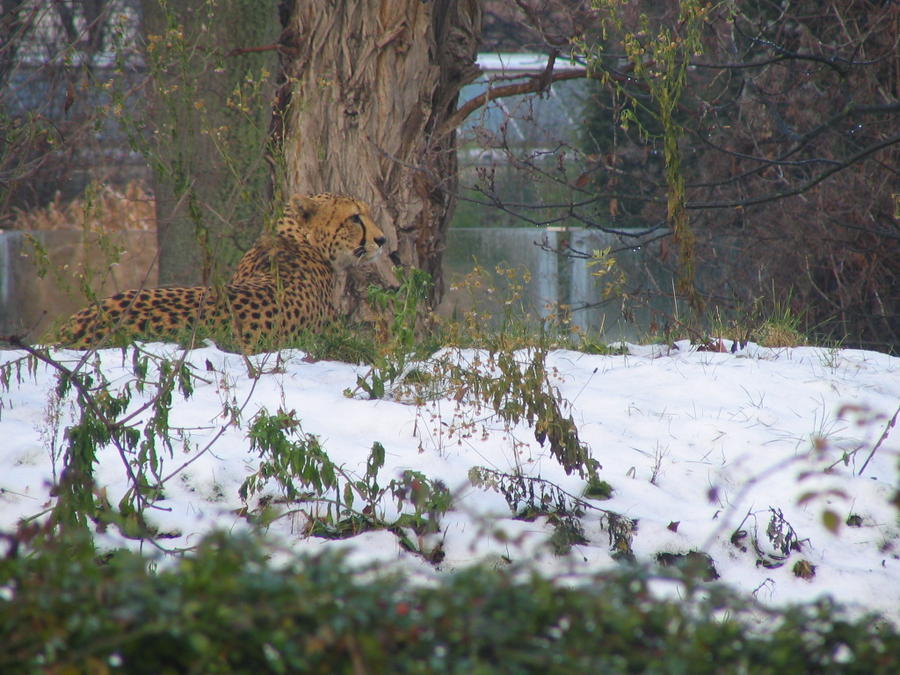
{"x":697,"y":446}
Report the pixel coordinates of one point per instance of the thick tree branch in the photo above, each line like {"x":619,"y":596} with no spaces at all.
{"x":535,"y":84}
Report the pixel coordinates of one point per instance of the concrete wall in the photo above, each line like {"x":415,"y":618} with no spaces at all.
{"x":558,"y":280}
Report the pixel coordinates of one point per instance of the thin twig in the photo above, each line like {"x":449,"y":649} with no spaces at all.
{"x":90,"y":402}
{"x":884,"y":435}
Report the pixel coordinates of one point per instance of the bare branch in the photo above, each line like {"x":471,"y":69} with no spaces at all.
{"x":274,"y":47}
{"x":863,"y":154}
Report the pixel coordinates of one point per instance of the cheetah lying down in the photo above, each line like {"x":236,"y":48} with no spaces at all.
{"x":286,"y":283}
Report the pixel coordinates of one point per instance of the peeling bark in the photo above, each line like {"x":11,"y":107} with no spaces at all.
{"x":367,"y":88}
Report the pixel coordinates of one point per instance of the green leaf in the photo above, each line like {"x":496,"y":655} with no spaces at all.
{"x":831,"y":521}
{"x":348,"y":495}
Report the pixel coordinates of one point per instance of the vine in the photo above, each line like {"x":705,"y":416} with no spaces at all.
{"x":658,"y":55}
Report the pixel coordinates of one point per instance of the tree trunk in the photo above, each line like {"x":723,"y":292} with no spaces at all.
{"x":368,"y":85}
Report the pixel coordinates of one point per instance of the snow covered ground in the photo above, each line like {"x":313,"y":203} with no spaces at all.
{"x":701,"y":449}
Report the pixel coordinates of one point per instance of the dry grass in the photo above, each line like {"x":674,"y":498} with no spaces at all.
{"x":779,"y":334}
{"x":103,"y":209}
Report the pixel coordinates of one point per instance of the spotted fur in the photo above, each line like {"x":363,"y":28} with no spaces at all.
{"x":283,"y":285}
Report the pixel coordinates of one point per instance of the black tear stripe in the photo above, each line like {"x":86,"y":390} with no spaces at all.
{"x":362,"y":239}
{"x":360,"y":250}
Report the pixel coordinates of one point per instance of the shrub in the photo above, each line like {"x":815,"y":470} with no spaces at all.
{"x":226,"y":608}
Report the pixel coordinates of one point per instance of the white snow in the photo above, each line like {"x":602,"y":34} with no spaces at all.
{"x":708,"y":441}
